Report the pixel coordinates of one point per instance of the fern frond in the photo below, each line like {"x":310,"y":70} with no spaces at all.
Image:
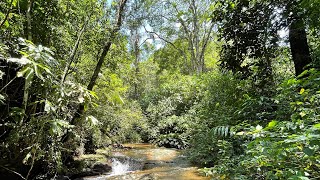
{"x":222,"y":131}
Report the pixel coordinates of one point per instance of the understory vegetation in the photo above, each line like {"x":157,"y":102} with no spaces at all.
{"x":235,"y":83}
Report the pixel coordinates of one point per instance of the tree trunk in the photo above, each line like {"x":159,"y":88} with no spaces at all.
{"x":102,"y":56}
{"x":299,"y":45}
{"x":107,"y":45}
{"x":28,"y":15}
{"x":26,"y":85}
{"x":136,"y":64}
{"x":73,"y":53}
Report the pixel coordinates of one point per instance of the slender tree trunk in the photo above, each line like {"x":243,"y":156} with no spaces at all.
{"x":102,"y":56}
{"x":106,"y":48}
{"x":299,"y":45}
{"x":26,"y":85}
{"x":73,"y":53}
{"x":28,"y":14}
{"x":136,"y":64}
{"x":96,"y":72}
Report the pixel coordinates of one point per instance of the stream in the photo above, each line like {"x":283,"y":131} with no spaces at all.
{"x":147,"y":162}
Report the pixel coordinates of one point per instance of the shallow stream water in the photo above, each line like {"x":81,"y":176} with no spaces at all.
{"x":147,"y":162}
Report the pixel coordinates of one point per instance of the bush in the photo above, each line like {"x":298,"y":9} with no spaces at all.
{"x":287,"y":148}
{"x":174,"y":132}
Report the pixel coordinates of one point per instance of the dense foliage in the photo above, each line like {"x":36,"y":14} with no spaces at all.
{"x":235,"y":83}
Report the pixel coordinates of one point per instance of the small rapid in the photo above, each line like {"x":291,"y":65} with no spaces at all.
{"x":145,"y":161}
{"x":119,"y":168}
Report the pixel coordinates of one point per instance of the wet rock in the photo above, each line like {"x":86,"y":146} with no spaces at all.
{"x":62,"y":178}
{"x":97,"y":169}
{"x":120,"y":146}
{"x":101,"y":168}
{"x":148,"y":177}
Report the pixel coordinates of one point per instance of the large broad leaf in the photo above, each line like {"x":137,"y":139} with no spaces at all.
{"x":29,"y":77}
{"x":23,"y":71}
{"x":26,"y":72}
{"x":43,"y":67}
{"x":21,"y":61}
{"x":38,"y":72}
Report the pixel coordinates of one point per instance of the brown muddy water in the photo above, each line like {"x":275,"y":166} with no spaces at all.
{"x":147,"y":162}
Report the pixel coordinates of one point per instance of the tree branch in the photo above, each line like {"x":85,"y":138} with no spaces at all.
{"x":14,"y":172}
{"x":167,"y":41}
{"x":7,"y":14}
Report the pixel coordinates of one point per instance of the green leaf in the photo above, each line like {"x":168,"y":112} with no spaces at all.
{"x":48,"y":107}
{"x":25,"y":159}
{"x":295,"y":177}
{"x":14,"y":3}
{"x":258,"y":128}
{"x":93,"y":94}
{"x":1,"y":74}
{"x":317,"y":126}
{"x":232,"y":5}
{"x":302,"y":114}
{"x":6,"y":24}
{"x":44,"y":68}
{"x":226,"y":131}
{"x":308,"y":151}
{"x":23,"y":71}
{"x":37,"y":72}
{"x":92,"y":120}
{"x":29,"y":77}
{"x":21,"y":61}
{"x":57,"y":126}
{"x":272,"y":124}
{"x":241,"y":133}
{"x":302,"y":90}
{"x":53,"y":128}
{"x":2,"y":99}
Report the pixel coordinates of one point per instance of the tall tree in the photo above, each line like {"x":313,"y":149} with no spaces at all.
{"x":250,"y":39}
{"x":108,"y":44}
{"x":189,"y":20}
{"x":296,"y":17}
{"x":105,"y":49}
{"x":253,"y":28}
{"x":299,"y":45}
{"x":135,"y":21}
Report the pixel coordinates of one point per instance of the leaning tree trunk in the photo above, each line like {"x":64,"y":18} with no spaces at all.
{"x":299,"y":45}
{"x":101,"y":58}
{"x":73,"y":53}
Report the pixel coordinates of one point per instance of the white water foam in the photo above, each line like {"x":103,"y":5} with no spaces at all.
{"x":119,"y":168}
